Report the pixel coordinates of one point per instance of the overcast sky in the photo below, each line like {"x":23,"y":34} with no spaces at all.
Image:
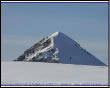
{"x":24,"y":24}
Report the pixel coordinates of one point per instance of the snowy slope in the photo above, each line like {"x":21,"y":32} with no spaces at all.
{"x":72,"y":53}
{"x":59,"y":48}
{"x":57,"y":74}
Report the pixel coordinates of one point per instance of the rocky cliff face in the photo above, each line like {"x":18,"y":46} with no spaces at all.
{"x":42,"y":51}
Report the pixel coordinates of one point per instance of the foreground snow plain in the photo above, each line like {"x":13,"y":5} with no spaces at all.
{"x":39,"y":73}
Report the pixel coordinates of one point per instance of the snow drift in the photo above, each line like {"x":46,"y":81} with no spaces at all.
{"x":32,"y":73}
{"x":59,"y":48}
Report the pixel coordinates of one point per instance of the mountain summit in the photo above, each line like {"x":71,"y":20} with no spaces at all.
{"x":59,"y":48}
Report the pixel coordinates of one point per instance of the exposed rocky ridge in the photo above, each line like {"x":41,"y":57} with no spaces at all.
{"x":41,"y":56}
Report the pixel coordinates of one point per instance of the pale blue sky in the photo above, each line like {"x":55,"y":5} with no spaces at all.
{"x":23,"y":24}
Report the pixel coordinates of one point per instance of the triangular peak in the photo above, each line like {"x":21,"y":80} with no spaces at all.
{"x":59,"y":48}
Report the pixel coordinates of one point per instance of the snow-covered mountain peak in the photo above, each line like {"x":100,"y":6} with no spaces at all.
{"x":59,"y":48}
{"x":55,"y":34}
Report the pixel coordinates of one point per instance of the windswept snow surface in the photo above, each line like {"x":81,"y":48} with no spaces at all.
{"x":40,"y":73}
